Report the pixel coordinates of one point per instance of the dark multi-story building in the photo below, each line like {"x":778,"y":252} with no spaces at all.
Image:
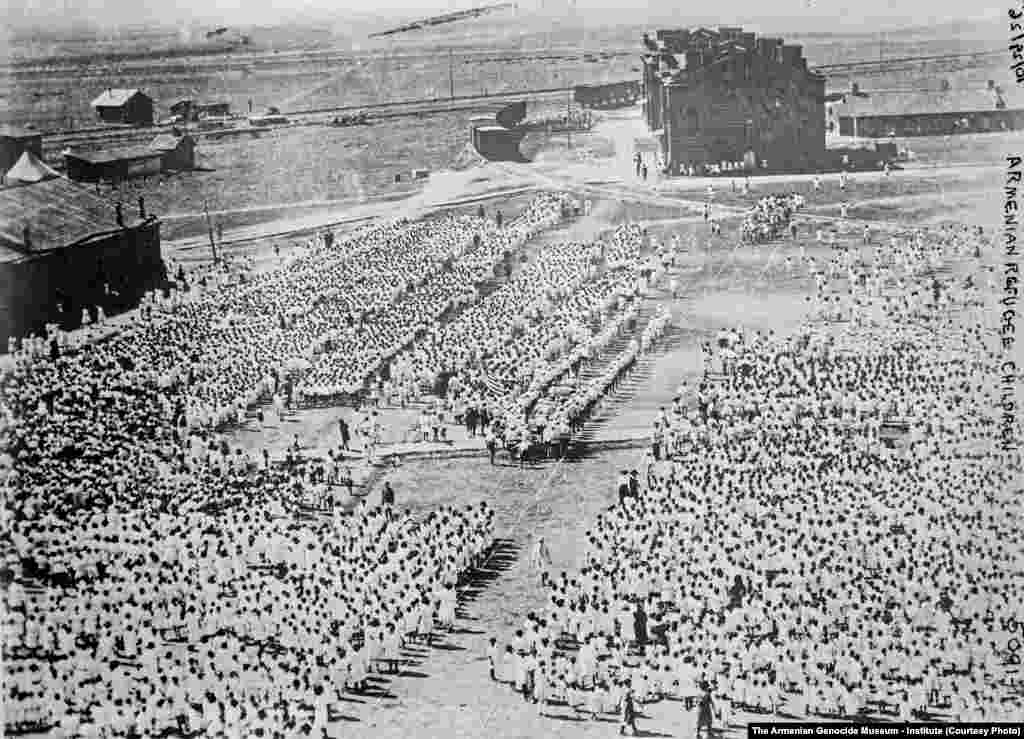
{"x":727,"y":98}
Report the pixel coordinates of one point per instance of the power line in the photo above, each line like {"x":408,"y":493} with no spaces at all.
{"x":839,"y":66}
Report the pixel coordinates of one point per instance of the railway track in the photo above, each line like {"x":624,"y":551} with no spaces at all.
{"x":56,"y":141}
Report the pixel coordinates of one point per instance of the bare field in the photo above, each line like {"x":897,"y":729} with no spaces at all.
{"x":254,"y":179}
{"x":59,"y":98}
{"x":318,"y":171}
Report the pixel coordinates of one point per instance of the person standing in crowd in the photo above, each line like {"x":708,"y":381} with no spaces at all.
{"x":523,"y":448}
{"x":640,"y":626}
{"x":548,"y":439}
{"x":623,"y":487}
{"x":705,"y":711}
{"x":540,"y":560}
{"x":491,"y":442}
{"x":345,"y":432}
{"x":628,"y":712}
{"x":387,"y":497}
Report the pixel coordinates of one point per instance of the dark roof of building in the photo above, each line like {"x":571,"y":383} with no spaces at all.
{"x":58,"y":213}
{"x":924,"y":102}
{"x":716,"y":47}
{"x":105,"y":156}
{"x":12,"y":132}
{"x":116,"y":98}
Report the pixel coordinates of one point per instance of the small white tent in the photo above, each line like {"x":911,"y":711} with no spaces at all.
{"x":30,"y":168}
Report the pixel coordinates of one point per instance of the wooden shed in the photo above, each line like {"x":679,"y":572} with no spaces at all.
{"x":124,"y":106}
{"x":113,"y":165}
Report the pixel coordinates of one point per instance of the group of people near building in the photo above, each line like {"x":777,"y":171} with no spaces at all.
{"x":830,"y":531}
{"x":319,"y":326}
{"x":162,"y":578}
{"x":771,"y":218}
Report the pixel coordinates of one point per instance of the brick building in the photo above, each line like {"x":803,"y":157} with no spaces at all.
{"x":725,"y":98}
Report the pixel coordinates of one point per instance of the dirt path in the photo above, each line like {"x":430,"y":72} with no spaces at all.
{"x":447,"y":692}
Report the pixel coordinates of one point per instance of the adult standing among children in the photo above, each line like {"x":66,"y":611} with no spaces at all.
{"x":705,"y":711}
{"x":623,"y":488}
{"x":628,"y":725}
{"x":540,"y":560}
{"x":345,"y":432}
{"x":523,"y":448}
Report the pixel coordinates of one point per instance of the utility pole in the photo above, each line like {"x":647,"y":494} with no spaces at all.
{"x":209,"y":231}
{"x":568,"y":119}
{"x":451,"y":75}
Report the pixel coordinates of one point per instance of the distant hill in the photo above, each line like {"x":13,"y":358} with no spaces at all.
{"x":534,"y":25}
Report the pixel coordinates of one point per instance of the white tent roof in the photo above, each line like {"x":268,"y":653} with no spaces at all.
{"x":30,"y":168}
{"x":114,"y":98}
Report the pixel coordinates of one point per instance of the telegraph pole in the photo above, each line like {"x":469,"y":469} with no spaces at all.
{"x":209,"y":231}
{"x":568,"y":119}
{"x":451,"y":74}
